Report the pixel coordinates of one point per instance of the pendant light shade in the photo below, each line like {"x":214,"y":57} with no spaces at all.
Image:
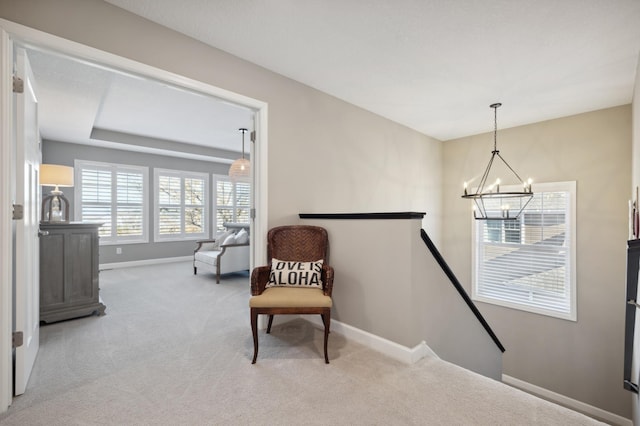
{"x":241,"y":168}
{"x":489,"y":202}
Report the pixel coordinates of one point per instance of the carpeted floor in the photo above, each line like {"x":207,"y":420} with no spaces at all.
{"x":175,"y":349}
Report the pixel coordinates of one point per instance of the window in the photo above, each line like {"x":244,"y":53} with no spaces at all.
{"x":232,"y":201}
{"x":180,"y":205}
{"x":115,"y":195}
{"x":529,"y":263}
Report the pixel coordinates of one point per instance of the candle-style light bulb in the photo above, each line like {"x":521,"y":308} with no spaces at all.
{"x":498,"y":185}
{"x":465,"y":188}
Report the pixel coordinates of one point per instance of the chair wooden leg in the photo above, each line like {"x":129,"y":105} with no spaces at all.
{"x":269,"y":325}
{"x":322,"y":316}
{"x":254,"y":330}
{"x":326,"y":318}
{"x":195,"y":271}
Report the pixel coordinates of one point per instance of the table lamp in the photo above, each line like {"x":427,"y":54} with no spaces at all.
{"x":55,"y":206}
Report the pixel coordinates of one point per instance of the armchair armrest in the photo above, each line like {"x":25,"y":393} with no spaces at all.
{"x":200,"y":243}
{"x":233,"y":245}
{"x":327,"y":279}
{"x":259,"y":279}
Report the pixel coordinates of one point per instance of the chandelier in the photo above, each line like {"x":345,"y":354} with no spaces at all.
{"x":489,"y":202}
{"x":241,"y":168}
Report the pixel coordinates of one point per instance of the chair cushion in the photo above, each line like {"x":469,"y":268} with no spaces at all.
{"x":209,"y":246}
{"x":231,"y":239}
{"x":295,"y":274}
{"x":208,"y":257}
{"x":242,"y":237}
{"x":221,"y":237}
{"x":287,"y":297}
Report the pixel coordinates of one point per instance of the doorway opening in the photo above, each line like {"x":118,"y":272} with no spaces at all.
{"x":44,"y":44}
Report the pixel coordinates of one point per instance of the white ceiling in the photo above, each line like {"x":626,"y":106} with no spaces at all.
{"x":85,"y":103}
{"x":432,"y":65}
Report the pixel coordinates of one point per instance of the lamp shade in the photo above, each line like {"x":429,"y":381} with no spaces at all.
{"x":240,"y":168}
{"x":56,"y":175}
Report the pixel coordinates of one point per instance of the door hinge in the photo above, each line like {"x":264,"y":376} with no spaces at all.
{"x":17,"y":339}
{"x":18,"y":85}
{"x":253,"y":136}
{"x":253,"y":213}
{"x":18,"y":212}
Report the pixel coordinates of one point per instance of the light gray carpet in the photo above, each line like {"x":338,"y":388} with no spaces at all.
{"x":175,"y":349}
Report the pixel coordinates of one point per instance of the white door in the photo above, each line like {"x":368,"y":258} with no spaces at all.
{"x":27,"y":290}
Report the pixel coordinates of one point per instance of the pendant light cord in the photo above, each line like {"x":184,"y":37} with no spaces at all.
{"x":495,"y":125}
{"x":495,"y":130}
{"x":243,"y":132}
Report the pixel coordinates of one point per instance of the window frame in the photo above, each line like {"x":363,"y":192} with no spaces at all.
{"x":183,"y":235}
{"x":234,"y":208}
{"x":114,"y":168}
{"x":568,"y":187}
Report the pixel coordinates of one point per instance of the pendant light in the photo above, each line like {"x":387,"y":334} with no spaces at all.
{"x":490,"y":202}
{"x":241,"y":168}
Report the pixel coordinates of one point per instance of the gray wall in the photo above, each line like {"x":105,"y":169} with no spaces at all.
{"x":584,"y":359}
{"x":65,"y":153}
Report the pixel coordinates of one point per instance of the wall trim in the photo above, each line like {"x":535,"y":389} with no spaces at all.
{"x":357,"y":216}
{"x":565,"y":401}
{"x":391,"y":349}
{"x":132,"y":263}
{"x":422,"y":350}
{"x":7,"y":185}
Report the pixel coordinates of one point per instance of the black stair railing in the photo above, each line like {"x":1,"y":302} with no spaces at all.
{"x":454,"y":280}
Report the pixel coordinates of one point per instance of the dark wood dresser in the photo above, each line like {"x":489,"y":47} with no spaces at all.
{"x":69,"y":271}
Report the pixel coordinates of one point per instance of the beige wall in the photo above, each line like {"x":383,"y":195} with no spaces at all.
{"x":324,"y":155}
{"x":328,"y":156}
{"x":584,"y":359}
{"x":636,"y":130}
{"x":392,"y":287}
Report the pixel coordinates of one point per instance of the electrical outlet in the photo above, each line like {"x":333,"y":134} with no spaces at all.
{"x":118,"y":250}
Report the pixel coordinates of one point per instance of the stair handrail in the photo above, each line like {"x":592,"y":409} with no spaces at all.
{"x":454,"y":280}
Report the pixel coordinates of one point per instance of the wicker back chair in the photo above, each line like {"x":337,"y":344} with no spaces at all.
{"x":299,"y":243}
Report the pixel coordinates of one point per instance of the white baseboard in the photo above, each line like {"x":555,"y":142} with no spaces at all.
{"x":131,"y":263}
{"x":421,"y":350}
{"x":574,"y":404}
{"x":387,"y":347}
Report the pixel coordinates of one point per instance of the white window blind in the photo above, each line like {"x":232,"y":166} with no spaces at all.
{"x":180,"y":205}
{"x":115,"y":195}
{"x":232,"y":201}
{"x":529,"y":263}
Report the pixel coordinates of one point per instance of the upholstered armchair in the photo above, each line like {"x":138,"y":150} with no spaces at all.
{"x":228,"y":252}
{"x":297,"y":280}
